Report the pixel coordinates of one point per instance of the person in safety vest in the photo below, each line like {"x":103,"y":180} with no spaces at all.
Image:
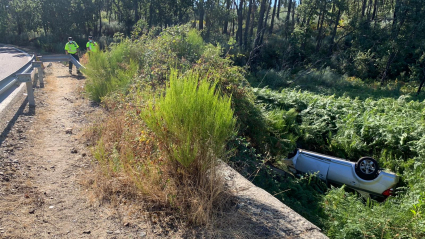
{"x":71,"y":47}
{"x":92,"y":46}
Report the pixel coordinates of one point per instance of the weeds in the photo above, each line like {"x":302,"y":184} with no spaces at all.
{"x":192,"y":123}
{"x":170,"y":151}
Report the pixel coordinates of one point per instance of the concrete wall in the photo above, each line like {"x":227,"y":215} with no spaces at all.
{"x":258,"y":208}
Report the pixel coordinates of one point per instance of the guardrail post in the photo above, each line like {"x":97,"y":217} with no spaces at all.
{"x":38,"y":65}
{"x":26,"y":77}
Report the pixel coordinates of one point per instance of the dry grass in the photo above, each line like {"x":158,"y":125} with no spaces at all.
{"x":131,"y":166}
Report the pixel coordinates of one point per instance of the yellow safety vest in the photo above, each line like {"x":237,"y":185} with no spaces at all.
{"x":92,"y":46}
{"x":71,"y":47}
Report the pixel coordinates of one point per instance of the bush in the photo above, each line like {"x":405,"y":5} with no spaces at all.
{"x":192,"y":122}
{"x":168,"y":154}
{"x":110,"y":71}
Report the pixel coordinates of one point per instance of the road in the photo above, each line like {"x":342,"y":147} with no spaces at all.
{"x":11,"y":59}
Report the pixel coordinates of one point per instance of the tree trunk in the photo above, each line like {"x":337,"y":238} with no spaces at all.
{"x":240,"y":22}
{"x":260,"y":24}
{"x":293,"y":13}
{"x":374,"y":10}
{"x":369,"y":9}
{"x":136,"y":10}
{"x":288,"y":14}
{"x":364,"y":7}
{"x":254,"y":10}
{"x":395,"y":19}
{"x":304,"y":43}
{"x":338,"y":15}
{"x":319,"y":35}
{"x":257,"y":43}
{"x":233,"y":26}
{"x":150,"y":14}
{"x":422,"y":82}
{"x":226,"y":20}
{"x":278,"y":9}
{"x":273,"y":14}
{"x":247,"y":24}
{"x":201,"y":14}
{"x":385,"y":73}
{"x":100,"y":23}
{"x":265,"y":20}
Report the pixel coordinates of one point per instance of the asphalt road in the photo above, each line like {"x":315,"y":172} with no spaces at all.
{"x":11,"y":59}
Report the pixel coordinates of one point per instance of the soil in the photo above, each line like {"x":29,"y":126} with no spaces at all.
{"x":43,"y":159}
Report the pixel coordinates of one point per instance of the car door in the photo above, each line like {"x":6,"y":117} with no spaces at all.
{"x":310,"y":163}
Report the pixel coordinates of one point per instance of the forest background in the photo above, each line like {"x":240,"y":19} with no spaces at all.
{"x":341,"y":77}
{"x":379,"y":40}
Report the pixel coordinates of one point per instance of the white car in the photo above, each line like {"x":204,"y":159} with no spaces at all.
{"x":364,"y":176}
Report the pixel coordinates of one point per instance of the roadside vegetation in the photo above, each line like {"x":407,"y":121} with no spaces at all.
{"x":170,"y":118}
{"x":161,"y":132}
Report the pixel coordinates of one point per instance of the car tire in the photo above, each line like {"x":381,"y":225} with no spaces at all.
{"x":367,"y":168}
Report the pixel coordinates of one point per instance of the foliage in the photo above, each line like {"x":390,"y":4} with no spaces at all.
{"x":191,"y":121}
{"x":390,"y":130}
{"x":328,"y":82}
{"x":109,"y":71}
{"x":190,"y":105}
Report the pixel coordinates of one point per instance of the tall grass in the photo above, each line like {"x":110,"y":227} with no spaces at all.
{"x":110,"y":71}
{"x":192,"y":123}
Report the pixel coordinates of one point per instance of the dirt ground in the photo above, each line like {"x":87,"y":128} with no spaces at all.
{"x":43,"y":160}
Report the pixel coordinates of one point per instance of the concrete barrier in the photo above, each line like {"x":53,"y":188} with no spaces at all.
{"x":273,"y":218}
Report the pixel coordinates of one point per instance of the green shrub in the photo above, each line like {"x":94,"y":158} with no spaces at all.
{"x":192,"y":122}
{"x":110,"y":71}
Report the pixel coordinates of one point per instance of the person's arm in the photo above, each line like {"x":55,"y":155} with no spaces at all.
{"x":66,"y":48}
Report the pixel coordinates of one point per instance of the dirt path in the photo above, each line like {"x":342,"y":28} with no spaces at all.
{"x":41,"y":161}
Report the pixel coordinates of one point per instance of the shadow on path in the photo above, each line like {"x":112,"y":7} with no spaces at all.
{"x":20,"y":111}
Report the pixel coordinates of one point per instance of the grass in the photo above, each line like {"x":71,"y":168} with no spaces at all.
{"x":160,"y":148}
{"x":327,"y":82}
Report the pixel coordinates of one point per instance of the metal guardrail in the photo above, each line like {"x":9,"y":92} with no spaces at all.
{"x":56,"y":58}
{"x":25,"y":74}
{"x":9,"y":81}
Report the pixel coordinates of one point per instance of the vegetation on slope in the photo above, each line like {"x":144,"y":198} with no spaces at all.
{"x":390,"y":129}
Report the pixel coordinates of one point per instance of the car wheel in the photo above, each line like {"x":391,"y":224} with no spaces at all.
{"x":367,"y":168}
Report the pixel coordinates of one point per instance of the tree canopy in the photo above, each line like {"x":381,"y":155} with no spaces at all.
{"x":371,"y":39}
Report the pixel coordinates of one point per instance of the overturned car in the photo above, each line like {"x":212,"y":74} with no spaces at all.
{"x":364,"y":176}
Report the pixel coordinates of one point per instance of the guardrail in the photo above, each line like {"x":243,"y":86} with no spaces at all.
{"x":26,"y":74}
